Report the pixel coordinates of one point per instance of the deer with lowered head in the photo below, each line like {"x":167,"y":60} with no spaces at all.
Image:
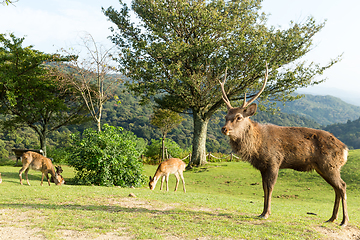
{"x":171,"y":166}
{"x":38,"y":162}
{"x":270,"y":148}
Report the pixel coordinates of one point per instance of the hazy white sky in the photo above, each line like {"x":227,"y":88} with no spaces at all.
{"x":51,"y":25}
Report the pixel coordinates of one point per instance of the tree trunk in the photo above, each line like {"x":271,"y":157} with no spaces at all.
{"x":163,"y":148}
{"x":42,"y":138}
{"x":199,"y":139}
{"x":98,"y":124}
{"x":98,"y":118}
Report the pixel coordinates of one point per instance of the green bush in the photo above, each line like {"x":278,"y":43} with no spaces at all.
{"x":107,"y":158}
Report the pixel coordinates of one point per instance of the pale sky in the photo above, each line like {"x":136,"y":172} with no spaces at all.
{"x":53,"y":24}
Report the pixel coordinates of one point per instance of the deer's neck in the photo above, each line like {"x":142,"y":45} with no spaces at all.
{"x":54,"y":175}
{"x":247,"y":142}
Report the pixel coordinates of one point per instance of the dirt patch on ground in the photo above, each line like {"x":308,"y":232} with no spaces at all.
{"x":131,"y":202}
{"x":10,"y":233}
{"x":345,"y":233}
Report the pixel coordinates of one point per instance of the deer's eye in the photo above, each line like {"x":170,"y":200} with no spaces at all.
{"x":239,"y":118}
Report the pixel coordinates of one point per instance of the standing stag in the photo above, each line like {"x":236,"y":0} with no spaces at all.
{"x":38,"y":162}
{"x":270,"y":148}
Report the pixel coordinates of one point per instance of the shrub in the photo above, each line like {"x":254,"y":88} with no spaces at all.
{"x":108,"y":158}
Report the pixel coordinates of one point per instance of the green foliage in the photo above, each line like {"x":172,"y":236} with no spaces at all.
{"x":59,"y":142}
{"x":153,"y":150}
{"x":109,"y":158}
{"x":30,"y":95}
{"x":165,"y":120}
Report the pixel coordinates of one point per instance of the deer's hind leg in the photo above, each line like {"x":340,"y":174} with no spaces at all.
{"x":183,"y":181}
{"x":25,"y":168}
{"x":177,"y":180}
{"x":21,"y":172}
{"x":334,"y":179}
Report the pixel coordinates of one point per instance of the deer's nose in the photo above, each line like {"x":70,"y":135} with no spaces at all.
{"x":224,"y":130}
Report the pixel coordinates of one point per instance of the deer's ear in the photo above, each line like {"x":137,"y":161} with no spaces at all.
{"x":250,"y":110}
{"x":150,"y":178}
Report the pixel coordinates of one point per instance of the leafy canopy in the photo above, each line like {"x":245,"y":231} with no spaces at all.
{"x":181,"y":49}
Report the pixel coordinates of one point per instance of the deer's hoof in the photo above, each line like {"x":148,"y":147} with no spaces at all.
{"x":331,"y":220}
{"x":262,"y":216}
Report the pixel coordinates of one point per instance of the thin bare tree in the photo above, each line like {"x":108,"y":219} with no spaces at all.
{"x":93,"y":75}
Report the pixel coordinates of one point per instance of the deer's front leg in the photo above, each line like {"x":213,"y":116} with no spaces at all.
{"x":162,"y":182}
{"x":269,"y":178}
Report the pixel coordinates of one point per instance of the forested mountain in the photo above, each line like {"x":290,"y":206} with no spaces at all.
{"x":348,"y":132}
{"x":324,"y":110}
{"x":133,"y":117}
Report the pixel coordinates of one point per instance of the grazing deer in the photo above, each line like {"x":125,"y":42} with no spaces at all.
{"x":171,"y":166}
{"x":270,"y":148}
{"x":38,"y":162}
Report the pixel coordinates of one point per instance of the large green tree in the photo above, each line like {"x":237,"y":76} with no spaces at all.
{"x":178,"y":51}
{"x":31,"y":93}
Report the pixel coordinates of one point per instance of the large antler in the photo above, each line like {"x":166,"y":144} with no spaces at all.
{"x":245,"y":104}
{"x":224,"y":97}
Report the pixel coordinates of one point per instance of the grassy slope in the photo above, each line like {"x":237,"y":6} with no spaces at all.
{"x":222,"y":201}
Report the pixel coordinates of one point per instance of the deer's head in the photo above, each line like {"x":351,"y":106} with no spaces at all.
{"x":237,"y":119}
{"x":152,"y":183}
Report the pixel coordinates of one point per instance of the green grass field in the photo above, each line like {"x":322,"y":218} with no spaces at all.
{"x":222,"y":201}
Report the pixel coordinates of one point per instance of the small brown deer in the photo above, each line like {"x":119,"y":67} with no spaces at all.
{"x":38,"y":162}
{"x":270,"y":148}
{"x":171,"y":166}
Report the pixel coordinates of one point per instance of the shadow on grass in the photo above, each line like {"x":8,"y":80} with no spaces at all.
{"x":33,"y":176}
{"x":121,"y":209}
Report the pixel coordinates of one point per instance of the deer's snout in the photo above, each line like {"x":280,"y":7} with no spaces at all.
{"x":225,"y":130}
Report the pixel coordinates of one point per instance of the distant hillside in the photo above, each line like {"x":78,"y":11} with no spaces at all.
{"x":324,"y":110}
{"x":348,"y":132}
{"x":136,"y":118}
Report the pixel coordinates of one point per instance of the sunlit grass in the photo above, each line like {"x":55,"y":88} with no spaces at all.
{"x":223,"y":200}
